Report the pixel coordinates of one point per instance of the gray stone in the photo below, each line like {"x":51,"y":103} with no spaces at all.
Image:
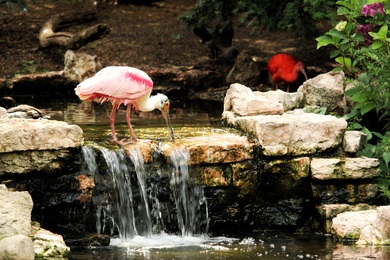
{"x":242,"y":101}
{"x":48,"y":245}
{"x":293,"y":133}
{"x":27,"y":135}
{"x":326,"y":90}
{"x":15,"y":213}
{"x":3,"y":113}
{"x":18,"y":247}
{"x":348,"y":225}
{"x":80,"y":66}
{"x":344,"y":168}
{"x":354,"y":141}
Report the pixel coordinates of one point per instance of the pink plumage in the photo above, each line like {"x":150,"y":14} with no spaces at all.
{"x":124,"y":85}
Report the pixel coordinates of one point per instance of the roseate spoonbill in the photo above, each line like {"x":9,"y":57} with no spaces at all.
{"x":284,"y":67}
{"x":128,"y":86}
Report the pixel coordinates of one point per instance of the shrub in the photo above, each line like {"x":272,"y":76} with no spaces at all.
{"x":362,"y":48}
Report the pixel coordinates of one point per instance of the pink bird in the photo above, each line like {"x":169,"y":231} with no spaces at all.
{"x":128,"y":86}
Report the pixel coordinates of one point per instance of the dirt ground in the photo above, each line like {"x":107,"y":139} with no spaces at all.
{"x":143,"y":36}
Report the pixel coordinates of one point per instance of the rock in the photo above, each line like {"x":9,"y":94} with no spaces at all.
{"x":365,"y":227}
{"x":348,"y":225}
{"x":18,"y":247}
{"x":242,"y":101}
{"x":36,"y":145}
{"x":370,"y":235}
{"x":326,"y":212}
{"x":293,"y":133}
{"x":25,"y":135}
{"x":3,"y":113}
{"x":15,"y":213}
{"x":383,"y":221}
{"x":326,"y":90}
{"x":48,"y":245}
{"x":246,"y":70}
{"x":354,"y":141}
{"x":344,"y":168}
{"x":218,"y":148}
{"x":80,"y":66}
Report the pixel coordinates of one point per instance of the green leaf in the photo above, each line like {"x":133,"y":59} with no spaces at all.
{"x":344,"y":61}
{"x":324,"y":41}
{"x":359,"y":97}
{"x":367,"y":107}
{"x":383,"y":32}
{"x":376,"y":45}
{"x":334,"y":53}
{"x":386,"y":158}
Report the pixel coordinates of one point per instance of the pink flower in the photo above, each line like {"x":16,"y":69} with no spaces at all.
{"x":372,"y":9}
{"x":365,"y":29}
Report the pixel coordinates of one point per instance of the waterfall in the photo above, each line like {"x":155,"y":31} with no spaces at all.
{"x":142,"y":203}
{"x":189,"y":197}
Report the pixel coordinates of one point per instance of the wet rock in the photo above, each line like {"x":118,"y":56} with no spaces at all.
{"x":326,"y":90}
{"x":80,"y":66}
{"x":219,"y":148}
{"x":354,"y":141}
{"x":48,"y":245}
{"x":18,"y":247}
{"x":25,"y":111}
{"x":15,"y":213}
{"x":89,"y":240}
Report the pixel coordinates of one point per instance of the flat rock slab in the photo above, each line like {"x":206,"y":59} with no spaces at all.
{"x":28,"y":134}
{"x":215,"y":148}
{"x":292,"y":133}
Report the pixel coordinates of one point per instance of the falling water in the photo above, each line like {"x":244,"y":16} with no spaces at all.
{"x":189,"y":197}
{"x":134,"y":204}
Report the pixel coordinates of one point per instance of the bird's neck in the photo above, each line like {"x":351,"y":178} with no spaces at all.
{"x":147,"y":103}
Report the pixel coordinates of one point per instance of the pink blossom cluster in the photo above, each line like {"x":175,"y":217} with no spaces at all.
{"x":372,"y":9}
{"x":369,"y":10}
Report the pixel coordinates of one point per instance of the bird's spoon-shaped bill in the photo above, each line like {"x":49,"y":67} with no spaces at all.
{"x":165,"y":113}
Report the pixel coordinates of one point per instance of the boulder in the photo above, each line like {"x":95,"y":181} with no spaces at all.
{"x":242,"y":101}
{"x":293,"y":133}
{"x":48,"y":245}
{"x":348,"y":225}
{"x":26,"y":135}
{"x":36,"y":145}
{"x":18,"y":247}
{"x":326,"y":90}
{"x":80,"y":66}
{"x":15,"y":213}
{"x":364,"y":227}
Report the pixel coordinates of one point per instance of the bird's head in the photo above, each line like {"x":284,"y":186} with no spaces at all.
{"x":300,"y":66}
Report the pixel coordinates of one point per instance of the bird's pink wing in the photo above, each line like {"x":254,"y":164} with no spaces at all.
{"x":123,"y":84}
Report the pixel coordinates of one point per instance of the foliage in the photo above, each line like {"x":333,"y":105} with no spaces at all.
{"x":362,"y":48}
{"x":274,"y":15}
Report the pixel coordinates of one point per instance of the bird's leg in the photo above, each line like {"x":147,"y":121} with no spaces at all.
{"x":129,"y":123}
{"x":288,"y":88}
{"x":112,"y":122}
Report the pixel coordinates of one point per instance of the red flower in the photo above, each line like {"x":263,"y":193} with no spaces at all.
{"x":364,"y":29}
